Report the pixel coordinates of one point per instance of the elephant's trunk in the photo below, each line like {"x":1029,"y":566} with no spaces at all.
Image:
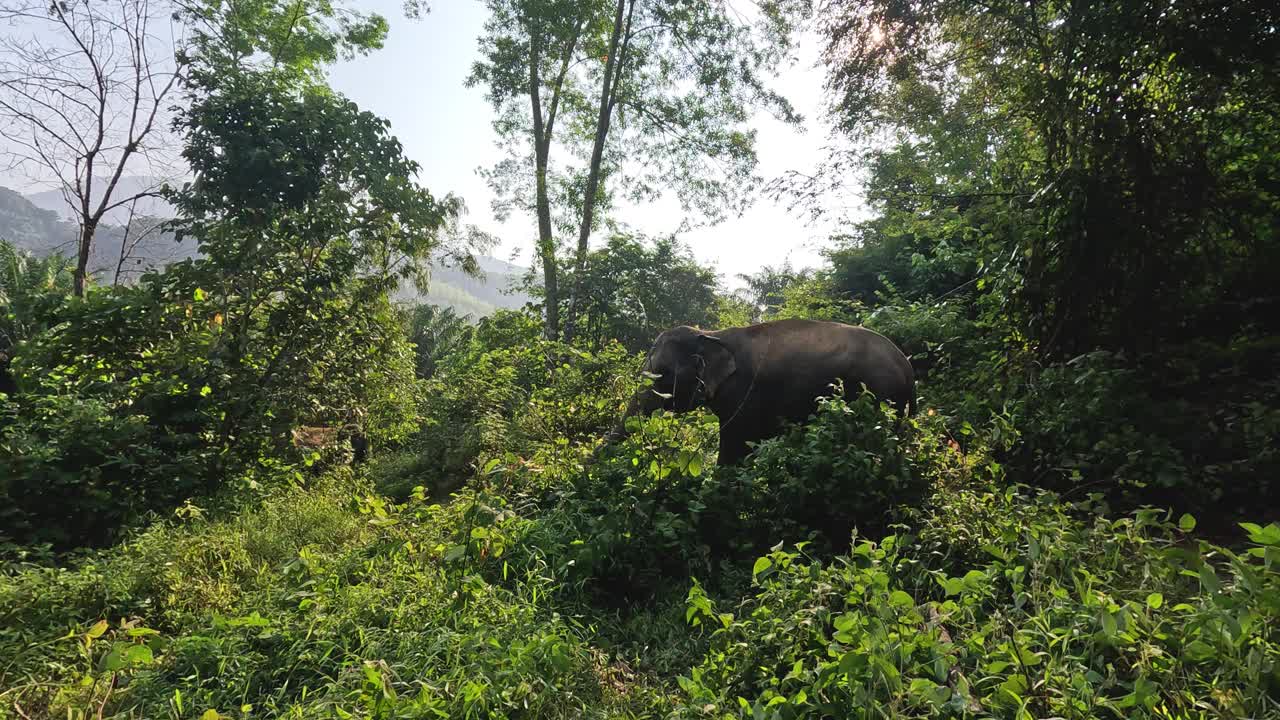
{"x":643,"y":403}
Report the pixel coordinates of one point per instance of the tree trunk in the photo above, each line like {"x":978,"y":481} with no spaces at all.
{"x":546,"y":240}
{"x":547,"y":249}
{"x":608,"y":90}
{"x":82,"y":256}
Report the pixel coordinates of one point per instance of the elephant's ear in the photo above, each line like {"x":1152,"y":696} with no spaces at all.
{"x":717,"y":363}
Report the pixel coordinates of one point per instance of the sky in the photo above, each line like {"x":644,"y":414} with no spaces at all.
{"x":416,"y":82}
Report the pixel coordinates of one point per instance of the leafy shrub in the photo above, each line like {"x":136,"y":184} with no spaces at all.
{"x":322,"y":603}
{"x":630,"y":523}
{"x":847,"y":466}
{"x":1053,"y":616}
{"x":132,"y":403}
{"x":1150,"y":433}
{"x":485,"y":402}
{"x":654,"y":510}
{"x":108,"y":426}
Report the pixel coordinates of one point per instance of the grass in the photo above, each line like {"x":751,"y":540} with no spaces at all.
{"x":987,"y":600}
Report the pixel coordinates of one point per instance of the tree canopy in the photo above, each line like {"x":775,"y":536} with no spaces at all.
{"x":598,"y":102}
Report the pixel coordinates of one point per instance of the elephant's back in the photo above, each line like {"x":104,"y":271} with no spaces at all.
{"x":804,"y":357}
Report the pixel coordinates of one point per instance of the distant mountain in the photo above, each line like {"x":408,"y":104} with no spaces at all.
{"x":477,"y":297}
{"x":42,"y":231}
{"x":37,"y":227}
{"x":127,"y":186}
{"x":30,"y":227}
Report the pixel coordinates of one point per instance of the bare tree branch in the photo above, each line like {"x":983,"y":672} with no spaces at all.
{"x":85,"y":88}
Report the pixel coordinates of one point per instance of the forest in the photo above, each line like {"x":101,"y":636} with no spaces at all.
{"x":263,"y":481}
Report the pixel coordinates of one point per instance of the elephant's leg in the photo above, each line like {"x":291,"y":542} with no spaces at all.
{"x":733,"y":448}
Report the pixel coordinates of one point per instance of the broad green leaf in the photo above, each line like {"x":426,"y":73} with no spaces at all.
{"x":1108,"y":624}
{"x":1198,"y":651}
{"x":111,"y":662}
{"x":138,"y":655}
{"x":1269,"y":535}
{"x":762,"y":564}
{"x":1187,"y":522}
{"x":1209,"y":579}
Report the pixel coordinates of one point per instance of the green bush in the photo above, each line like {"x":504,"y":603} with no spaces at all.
{"x":321,"y":603}
{"x":850,"y":465}
{"x":1052,"y":616}
{"x":132,"y":403}
{"x":486,"y":401}
{"x":654,"y":510}
{"x":630,"y":524}
{"x":1151,"y":432}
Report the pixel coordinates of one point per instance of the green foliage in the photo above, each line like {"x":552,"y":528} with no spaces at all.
{"x":436,"y":333}
{"x":634,"y":289}
{"x":318,"y":603}
{"x":815,"y":297}
{"x":655,"y":510}
{"x":306,"y":216}
{"x":104,"y":434}
{"x":1099,"y":422}
{"x":1076,"y":156}
{"x":294,"y":40}
{"x":765,"y":289}
{"x":146,"y":413}
{"x":31,"y":289}
{"x":1000,"y":603}
{"x":848,"y":467}
{"x":629,"y":526}
{"x":511,"y":390}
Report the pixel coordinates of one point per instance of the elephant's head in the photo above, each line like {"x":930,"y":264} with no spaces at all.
{"x":686,"y":366}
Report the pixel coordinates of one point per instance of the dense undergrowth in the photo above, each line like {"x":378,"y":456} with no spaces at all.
{"x":652,"y":584}
{"x":1081,"y":521}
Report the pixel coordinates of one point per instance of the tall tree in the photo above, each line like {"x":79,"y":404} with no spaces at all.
{"x":85,"y":87}
{"x":1116,"y":162}
{"x":598,"y":99}
{"x":306,"y":211}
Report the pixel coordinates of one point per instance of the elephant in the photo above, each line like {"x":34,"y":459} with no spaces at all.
{"x":756,"y":378}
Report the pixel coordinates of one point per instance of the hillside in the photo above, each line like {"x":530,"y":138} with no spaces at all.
{"x":53,"y":200}
{"x":41,"y":231}
{"x":37,"y":223}
{"x":473,"y":296}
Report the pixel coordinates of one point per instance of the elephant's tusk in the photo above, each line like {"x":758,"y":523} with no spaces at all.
{"x":664,"y":396}
{"x":650,"y":375}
